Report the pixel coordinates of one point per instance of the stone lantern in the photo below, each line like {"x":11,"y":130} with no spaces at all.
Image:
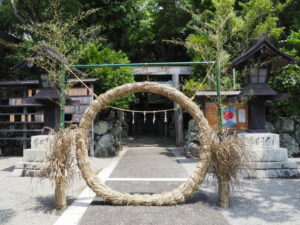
{"x":259,"y":62}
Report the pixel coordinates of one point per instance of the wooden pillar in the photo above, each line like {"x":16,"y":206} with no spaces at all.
{"x":25,"y":111}
{"x":256,"y":114}
{"x":178,"y":115}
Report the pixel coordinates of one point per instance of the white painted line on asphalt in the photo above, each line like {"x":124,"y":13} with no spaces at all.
{"x":76,"y":210}
{"x":147,"y":179}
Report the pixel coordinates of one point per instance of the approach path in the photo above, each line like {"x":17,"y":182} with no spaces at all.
{"x":151,"y":168}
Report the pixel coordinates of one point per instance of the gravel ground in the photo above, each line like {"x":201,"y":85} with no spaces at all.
{"x":26,"y":200}
{"x":256,"y":202}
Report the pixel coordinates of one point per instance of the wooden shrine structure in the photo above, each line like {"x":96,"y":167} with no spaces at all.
{"x":30,"y":108}
{"x":244,"y":110}
{"x":172,"y":75}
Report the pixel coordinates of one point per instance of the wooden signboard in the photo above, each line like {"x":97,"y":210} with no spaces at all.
{"x":11,"y":118}
{"x":78,"y":91}
{"x":234,"y":115}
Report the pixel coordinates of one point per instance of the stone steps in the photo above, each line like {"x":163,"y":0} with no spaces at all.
{"x":32,"y":158}
{"x":274,"y":165}
{"x":270,"y":161}
{"x":297,"y":160}
{"x":270,"y":155}
{"x":33,"y":155}
{"x":277,"y":173}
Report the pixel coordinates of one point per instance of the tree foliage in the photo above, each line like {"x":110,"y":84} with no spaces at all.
{"x":57,"y":41}
{"x":287,"y":80}
{"x":223,"y":33}
{"x":109,"y":77}
{"x":150,"y":30}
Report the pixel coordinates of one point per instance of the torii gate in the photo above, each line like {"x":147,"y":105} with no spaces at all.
{"x":160,"y":68}
{"x":175,"y":72}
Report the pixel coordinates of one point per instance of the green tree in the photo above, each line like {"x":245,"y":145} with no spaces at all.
{"x":109,"y":77}
{"x":223,"y":32}
{"x":58,"y":41}
{"x":287,"y":80}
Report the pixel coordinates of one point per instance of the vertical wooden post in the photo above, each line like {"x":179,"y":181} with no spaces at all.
{"x":166,"y":129}
{"x":25,"y":111}
{"x":178,"y":115}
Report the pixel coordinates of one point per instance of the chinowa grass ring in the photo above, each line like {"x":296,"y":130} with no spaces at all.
{"x":173,"y":197}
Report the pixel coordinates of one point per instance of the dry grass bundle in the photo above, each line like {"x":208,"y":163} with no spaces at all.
{"x":60,"y":162}
{"x":230,"y":157}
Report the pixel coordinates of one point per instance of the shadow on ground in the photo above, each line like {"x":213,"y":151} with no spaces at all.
{"x":273,"y":201}
{"x":9,"y":169}
{"x":6,"y":215}
{"x":47,"y":205}
{"x":144,"y":141}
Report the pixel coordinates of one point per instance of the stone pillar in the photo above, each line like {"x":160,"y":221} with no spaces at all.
{"x":178,"y":115}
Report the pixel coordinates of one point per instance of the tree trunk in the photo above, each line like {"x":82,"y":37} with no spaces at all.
{"x":60,"y":196}
{"x":224,"y":190}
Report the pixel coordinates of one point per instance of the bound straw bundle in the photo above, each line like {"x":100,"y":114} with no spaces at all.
{"x":60,"y":162}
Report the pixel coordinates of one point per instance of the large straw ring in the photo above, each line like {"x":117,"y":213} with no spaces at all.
{"x":173,"y":197}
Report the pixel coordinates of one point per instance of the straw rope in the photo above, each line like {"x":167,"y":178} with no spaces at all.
{"x":173,"y":197}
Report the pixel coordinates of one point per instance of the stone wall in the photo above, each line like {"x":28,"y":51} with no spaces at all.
{"x":191,"y":147}
{"x":287,"y":128}
{"x":107,"y":139}
{"x":289,"y":131}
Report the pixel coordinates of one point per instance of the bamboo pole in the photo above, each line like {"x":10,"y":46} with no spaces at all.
{"x":60,"y":195}
{"x":224,"y":187}
{"x":142,"y":64}
{"x":60,"y":187}
{"x":224,"y":191}
{"x":219,"y":98}
{"x":62,"y":97}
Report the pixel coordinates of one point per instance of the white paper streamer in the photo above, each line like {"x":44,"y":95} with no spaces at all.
{"x":132,"y":117}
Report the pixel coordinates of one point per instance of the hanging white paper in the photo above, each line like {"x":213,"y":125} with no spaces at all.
{"x":242,"y":115}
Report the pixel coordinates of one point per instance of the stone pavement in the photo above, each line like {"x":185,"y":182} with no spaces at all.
{"x":24,"y":200}
{"x":146,"y":170}
{"x":253,"y":202}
